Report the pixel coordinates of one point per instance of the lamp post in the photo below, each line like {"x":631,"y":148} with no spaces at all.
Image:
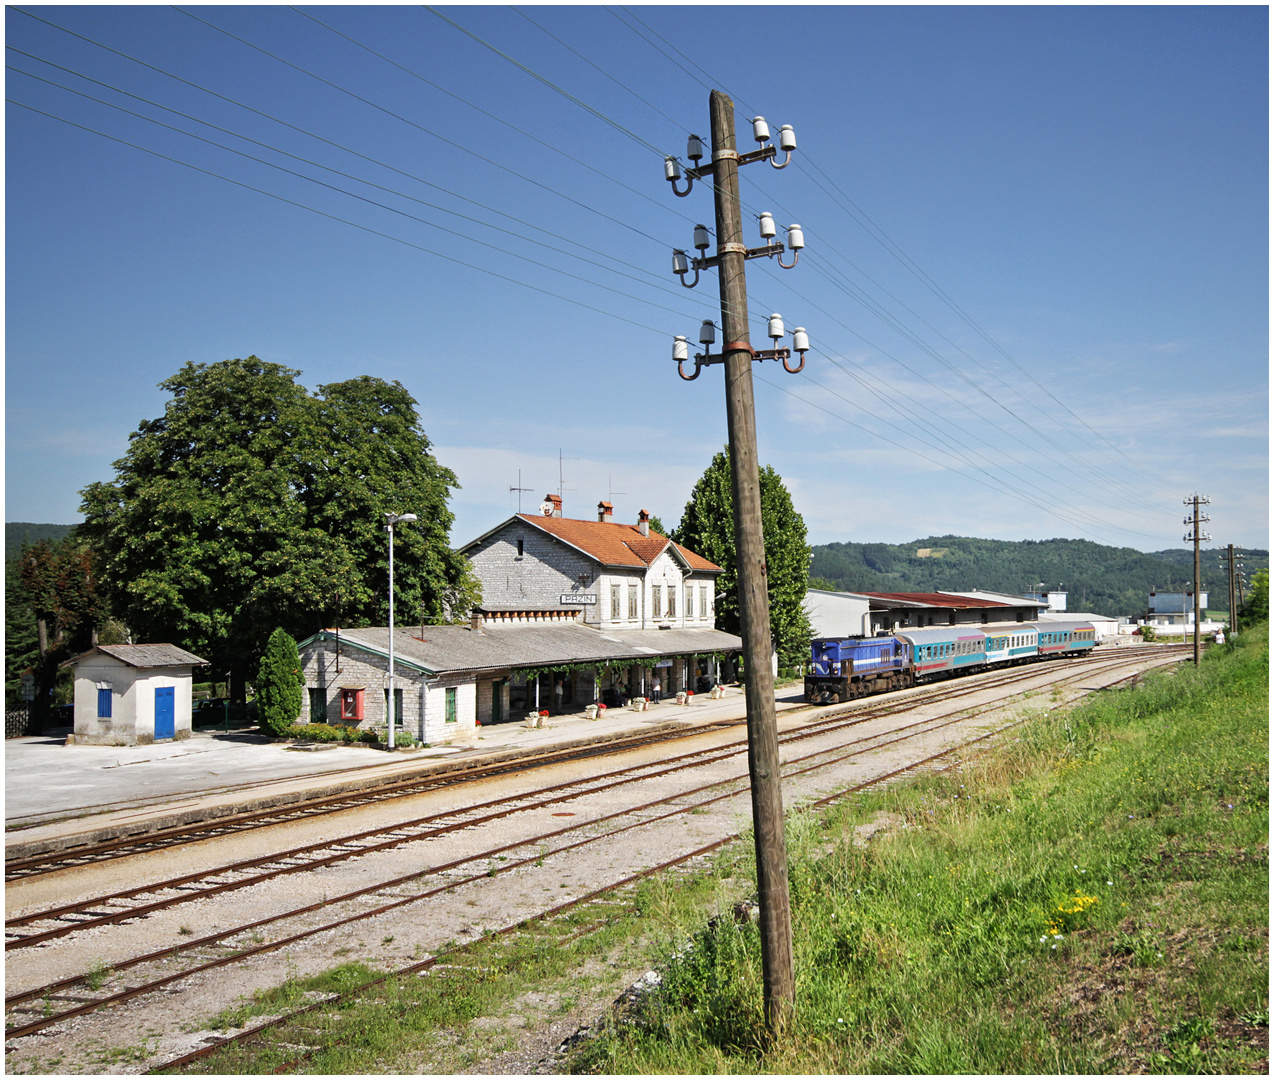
{"x":390,"y":521}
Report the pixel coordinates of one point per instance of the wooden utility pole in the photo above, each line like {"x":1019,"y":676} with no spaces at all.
{"x":1229,"y":562}
{"x":754,"y":601}
{"x":1234,"y":568}
{"x":1196,"y":521}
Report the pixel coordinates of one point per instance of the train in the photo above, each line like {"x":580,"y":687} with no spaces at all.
{"x":843,"y":668}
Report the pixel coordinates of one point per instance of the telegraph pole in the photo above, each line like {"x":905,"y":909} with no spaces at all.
{"x":1233,"y":566}
{"x":1195,"y":519}
{"x":737,"y":355}
{"x":754,"y":601}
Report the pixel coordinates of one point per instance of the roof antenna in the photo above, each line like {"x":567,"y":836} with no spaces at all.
{"x":610,"y":485}
{"x":560,"y":459}
{"x":519,"y":489}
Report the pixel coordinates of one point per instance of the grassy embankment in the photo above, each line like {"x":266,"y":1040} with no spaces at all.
{"x":1090,"y":897}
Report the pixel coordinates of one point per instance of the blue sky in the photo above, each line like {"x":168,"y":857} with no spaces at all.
{"x":1035,"y":281}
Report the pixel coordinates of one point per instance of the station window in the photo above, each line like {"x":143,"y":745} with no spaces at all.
{"x":615,"y":613}
{"x":632,"y":603}
{"x":318,"y":705}
{"x":103,"y":702}
{"x":656,"y":602}
{"x":451,"y":705}
{"x":351,"y":704}
{"x":672,"y":601}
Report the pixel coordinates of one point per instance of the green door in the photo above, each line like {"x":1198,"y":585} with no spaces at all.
{"x":497,"y":700}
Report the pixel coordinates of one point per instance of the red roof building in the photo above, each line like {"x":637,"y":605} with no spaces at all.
{"x":603,"y":573}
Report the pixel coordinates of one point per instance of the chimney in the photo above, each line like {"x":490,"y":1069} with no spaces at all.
{"x":475,"y":620}
{"x":554,"y":507}
{"x":643,"y":523}
{"x":604,"y":511}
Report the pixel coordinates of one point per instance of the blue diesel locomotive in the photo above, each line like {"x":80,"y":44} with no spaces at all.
{"x":852,"y":667}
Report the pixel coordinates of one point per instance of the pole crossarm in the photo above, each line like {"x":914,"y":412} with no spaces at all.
{"x":703,"y":360}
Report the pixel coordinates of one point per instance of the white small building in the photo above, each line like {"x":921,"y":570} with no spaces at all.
{"x":1175,"y":609}
{"x":129,"y":695}
{"x":838,"y":614}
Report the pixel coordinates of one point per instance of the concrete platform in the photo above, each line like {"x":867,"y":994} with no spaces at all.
{"x":59,"y":796}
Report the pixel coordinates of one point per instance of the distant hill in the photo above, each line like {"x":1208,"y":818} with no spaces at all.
{"x":17,"y":533}
{"x":1103,"y":580}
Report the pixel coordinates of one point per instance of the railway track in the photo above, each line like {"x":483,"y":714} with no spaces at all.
{"x":234,"y":945}
{"x":218,"y":828}
{"x":148,"y":898}
{"x":279,"y":1036}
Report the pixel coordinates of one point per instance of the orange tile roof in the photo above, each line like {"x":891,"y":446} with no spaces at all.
{"x":613,"y":544}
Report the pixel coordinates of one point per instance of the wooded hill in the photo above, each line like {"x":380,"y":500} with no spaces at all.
{"x":17,"y":533}
{"x":1099,"y":579}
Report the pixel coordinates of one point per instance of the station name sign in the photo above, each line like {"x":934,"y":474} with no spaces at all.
{"x":577,"y":598}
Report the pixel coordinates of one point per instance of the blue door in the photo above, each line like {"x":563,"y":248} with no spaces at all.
{"x":165,"y":712}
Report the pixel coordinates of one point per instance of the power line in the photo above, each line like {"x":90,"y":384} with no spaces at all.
{"x":365,"y":199}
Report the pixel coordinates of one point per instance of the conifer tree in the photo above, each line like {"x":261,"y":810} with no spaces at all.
{"x":707,"y":528}
{"x":279,"y":684}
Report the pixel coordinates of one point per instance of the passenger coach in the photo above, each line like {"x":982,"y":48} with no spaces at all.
{"x":845,"y":668}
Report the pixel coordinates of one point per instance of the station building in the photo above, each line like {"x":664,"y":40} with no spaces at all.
{"x":574,"y":613}
{"x":849,"y":614}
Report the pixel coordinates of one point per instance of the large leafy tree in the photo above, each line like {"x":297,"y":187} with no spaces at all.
{"x":252,"y":504}
{"x":707,"y":527}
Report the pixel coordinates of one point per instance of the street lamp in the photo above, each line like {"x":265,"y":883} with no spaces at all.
{"x":390,"y":521}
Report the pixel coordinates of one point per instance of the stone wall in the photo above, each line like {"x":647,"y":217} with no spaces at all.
{"x":538,"y":577}
{"x":370,"y":672}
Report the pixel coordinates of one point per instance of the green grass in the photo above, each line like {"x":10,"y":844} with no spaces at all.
{"x":1091,"y":898}
{"x":439,"y":1021}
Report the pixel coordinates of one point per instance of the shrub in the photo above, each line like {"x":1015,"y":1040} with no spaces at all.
{"x":316,"y":732}
{"x":279,"y":684}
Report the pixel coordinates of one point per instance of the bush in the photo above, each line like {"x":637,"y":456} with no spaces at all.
{"x":279,"y":684}
{"x":316,"y":733}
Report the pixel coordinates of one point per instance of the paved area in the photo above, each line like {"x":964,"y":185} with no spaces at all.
{"x":57,"y":795}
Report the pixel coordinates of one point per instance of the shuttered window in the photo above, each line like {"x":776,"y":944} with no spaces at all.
{"x":104,"y":703}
